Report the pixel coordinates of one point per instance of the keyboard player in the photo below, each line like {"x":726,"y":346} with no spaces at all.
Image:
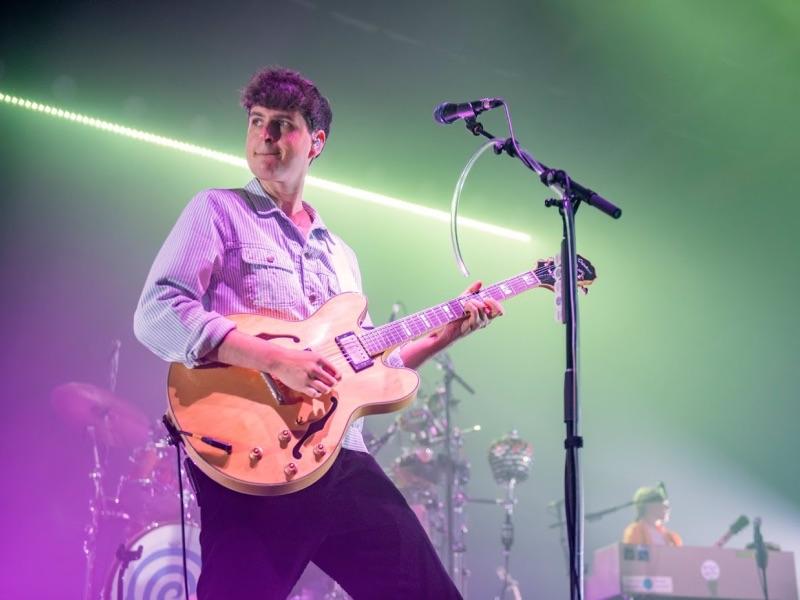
{"x":652,"y":513}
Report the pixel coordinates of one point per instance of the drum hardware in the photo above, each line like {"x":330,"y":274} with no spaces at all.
{"x":108,"y":421}
{"x":119,"y":433}
{"x":432,"y":460}
{"x":454,"y":545}
{"x":374,"y":445}
{"x":510,"y":459}
{"x":157,"y":572}
{"x":96,"y":501}
{"x":437,"y":439}
{"x":116,"y":422}
{"x":125,"y":557}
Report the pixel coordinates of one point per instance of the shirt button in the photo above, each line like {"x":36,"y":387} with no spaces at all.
{"x":270,"y":259}
{"x":312,"y":298}
{"x":307,"y":254}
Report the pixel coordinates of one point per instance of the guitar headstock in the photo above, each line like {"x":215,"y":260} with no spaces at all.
{"x":548,"y":271}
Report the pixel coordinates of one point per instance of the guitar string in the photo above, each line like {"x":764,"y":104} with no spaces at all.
{"x":332,"y":352}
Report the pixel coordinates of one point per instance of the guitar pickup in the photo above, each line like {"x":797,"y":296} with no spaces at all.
{"x":355,"y":353}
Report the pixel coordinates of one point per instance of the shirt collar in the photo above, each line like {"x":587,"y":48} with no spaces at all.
{"x":264,"y":205}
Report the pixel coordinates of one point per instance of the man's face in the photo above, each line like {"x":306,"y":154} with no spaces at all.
{"x":279,"y":145}
{"x":658,"y":511}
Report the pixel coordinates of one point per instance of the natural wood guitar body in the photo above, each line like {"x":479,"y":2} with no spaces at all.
{"x":237,"y":406}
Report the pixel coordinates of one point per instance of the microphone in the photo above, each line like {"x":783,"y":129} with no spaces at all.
{"x":735,"y":528}
{"x":448,"y":112}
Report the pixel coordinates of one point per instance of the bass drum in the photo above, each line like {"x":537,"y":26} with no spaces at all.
{"x":158,"y":573}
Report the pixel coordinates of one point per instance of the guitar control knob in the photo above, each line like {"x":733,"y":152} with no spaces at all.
{"x":319,"y":451}
{"x":290,"y":470}
{"x":256,"y":454}
{"x":284,"y":437}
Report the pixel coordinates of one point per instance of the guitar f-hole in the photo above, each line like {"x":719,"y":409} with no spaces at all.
{"x":314,"y":428}
{"x":269,"y":336}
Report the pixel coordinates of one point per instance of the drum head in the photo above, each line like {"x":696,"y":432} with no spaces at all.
{"x":416,"y":469}
{"x":159,"y":571}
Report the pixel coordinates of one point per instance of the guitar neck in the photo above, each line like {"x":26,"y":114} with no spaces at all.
{"x":420,"y":323}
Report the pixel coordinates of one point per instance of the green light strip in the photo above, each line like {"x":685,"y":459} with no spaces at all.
{"x":230,"y":159}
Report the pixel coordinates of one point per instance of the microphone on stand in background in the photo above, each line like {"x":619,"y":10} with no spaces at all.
{"x":735,"y":528}
{"x":761,"y":556}
{"x":396,"y":308}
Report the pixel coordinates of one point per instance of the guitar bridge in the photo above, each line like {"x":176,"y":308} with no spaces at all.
{"x":355,"y":353}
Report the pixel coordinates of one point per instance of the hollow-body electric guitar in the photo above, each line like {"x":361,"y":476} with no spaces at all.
{"x":252,"y":434}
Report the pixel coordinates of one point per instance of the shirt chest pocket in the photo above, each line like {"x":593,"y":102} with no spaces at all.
{"x":270,"y":280}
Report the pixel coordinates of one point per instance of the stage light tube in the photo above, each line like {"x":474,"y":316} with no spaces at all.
{"x":237,"y":161}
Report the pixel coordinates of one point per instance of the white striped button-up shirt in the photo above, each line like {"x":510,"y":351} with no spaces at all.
{"x":236,"y":252}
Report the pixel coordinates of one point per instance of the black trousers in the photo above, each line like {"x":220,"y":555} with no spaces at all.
{"x":353,"y":523}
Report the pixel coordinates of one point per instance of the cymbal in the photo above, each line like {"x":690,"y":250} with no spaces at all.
{"x":116,"y":422}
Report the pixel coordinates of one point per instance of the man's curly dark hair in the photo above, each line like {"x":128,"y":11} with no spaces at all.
{"x":284,"y":89}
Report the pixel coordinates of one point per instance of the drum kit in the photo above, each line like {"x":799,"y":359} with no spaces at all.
{"x":133,"y":545}
{"x":432,"y":468}
{"x":423,"y":468}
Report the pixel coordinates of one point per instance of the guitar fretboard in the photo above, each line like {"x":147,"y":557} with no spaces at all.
{"x":415,"y":325}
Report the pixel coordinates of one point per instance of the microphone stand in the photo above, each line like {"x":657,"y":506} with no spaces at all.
{"x":570,"y":196}
{"x":599,"y":514}
{"x":761,"y":556}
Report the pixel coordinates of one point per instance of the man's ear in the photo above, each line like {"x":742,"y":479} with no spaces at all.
{"x":317,"y":143}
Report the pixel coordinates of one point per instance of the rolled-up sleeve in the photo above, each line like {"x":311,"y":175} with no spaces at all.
{"x":173,"y":317}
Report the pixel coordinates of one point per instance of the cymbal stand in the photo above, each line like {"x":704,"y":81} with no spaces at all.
{"x":507,"y":534}
{"x":125,"y":557}
{"x":510,"y":459}
{"x":96,"y":503}
{"x":457,"y":476}
{"x":451,"y":547}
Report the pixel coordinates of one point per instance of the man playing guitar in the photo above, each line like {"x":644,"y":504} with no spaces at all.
{"x":263,"y":250}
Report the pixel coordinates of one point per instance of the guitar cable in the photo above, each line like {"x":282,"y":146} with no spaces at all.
{"x":175,"y":440}
{"x":183,"y":523}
